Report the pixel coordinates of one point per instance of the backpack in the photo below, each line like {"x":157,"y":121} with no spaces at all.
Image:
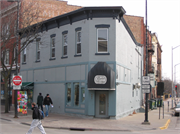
{"x":41,"y":114}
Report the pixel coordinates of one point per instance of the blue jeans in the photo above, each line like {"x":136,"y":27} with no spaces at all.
{"x":47,"y":109}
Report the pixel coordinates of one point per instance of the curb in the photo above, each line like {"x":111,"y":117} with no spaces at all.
{"x":80,"y":129}
{"x":166,"y":125}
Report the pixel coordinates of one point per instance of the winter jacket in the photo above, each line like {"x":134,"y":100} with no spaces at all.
{"x":40,"y":100}
{"x":35,"y":114}
{"x":47,"y":101}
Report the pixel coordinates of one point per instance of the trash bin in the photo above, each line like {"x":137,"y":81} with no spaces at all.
{"x":155,"y":103}
{"x":159,"y":103}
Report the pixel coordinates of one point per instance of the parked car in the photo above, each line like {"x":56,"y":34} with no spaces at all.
{"x":177,"y":109}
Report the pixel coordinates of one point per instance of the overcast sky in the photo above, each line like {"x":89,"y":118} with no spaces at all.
{"x":163,"y":18}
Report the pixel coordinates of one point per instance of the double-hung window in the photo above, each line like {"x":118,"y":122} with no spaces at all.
{"x":65,"y":43}
{"x":37,"y":50}
{"x":52,"y":47}
{"x":5,"y":55}
{"x":102,"y":40}
{"x":78,"y":41}
{"x":14,"y":54}
{"x":24,"y":56}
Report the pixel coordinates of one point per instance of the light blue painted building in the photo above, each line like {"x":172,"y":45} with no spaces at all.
{"x":88,"y":61}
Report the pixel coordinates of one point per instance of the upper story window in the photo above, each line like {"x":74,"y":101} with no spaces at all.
{"x":78,"y":41}
{"x":52,"y":46}
{"x":65,"y":43}
{"x":37,"y":50}
{"x":14,"y":54}
{"x":24,"y":56}
{"x":102,"y":38}
{"x":5,"y":55}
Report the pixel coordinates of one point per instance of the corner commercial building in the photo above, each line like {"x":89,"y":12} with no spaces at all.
{"x":88,"y":61}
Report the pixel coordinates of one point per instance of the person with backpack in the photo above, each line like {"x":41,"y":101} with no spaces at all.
{"x":37,"y":116}
{"x":40,"y":101}
{"x":47,"y":102}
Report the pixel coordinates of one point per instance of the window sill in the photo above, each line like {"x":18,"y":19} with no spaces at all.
{"x":64,"y":57}
{"x":102,"y":53}
{"x":52,"y":59}
{"x":38,"y":61}
{"x":78,"y":55}
{"x":23,"y":63}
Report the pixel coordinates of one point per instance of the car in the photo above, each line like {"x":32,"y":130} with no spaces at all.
{"x":177,"y":109}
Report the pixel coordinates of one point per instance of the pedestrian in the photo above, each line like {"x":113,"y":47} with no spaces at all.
{"x":40,"y":101}
{"x":47,"y":102}
{"x":36,"y":120}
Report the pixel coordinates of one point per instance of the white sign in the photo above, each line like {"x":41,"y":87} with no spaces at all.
{"x":145,"y":79}
{"x":145,"y":83}
{"x":146,"y":86}
{"x":146,"y":91}
{"x":100,"y":79}
{"x":17,"y":82}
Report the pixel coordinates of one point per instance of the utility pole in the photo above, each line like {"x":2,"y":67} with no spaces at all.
{"x":146,"y":122}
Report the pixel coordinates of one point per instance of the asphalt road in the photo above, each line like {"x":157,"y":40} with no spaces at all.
{"x":8,"y":127}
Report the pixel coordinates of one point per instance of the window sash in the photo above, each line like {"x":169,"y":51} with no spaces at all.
{"x":24,"y":55}
{"x":68,"y":97}
{"x":65,"y":44}
{"x":102,"y":43}
{"x":53,"y":47}
{"x":78,"y":42}
{"x":37,"y":50}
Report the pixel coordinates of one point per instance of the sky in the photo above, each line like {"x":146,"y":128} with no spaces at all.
{"x":163,"y":19}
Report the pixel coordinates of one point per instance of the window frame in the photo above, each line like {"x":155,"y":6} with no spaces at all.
{"x":24,"y":60}
{"x":65,"y":34}
{"x":79,"y":31}
{"x":5,"y":56}
{"x":53,"y":47}
{"x":38,"y":50}
{"x":102,"y":40}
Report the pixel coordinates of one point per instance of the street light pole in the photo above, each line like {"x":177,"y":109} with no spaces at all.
{"x":146,"y":108}
{"x":172,"y":75}
{"x":175,"y":73}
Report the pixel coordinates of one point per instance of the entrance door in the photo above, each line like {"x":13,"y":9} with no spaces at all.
{"x":102,"y":104}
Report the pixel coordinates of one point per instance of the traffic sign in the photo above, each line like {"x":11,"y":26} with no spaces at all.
{"x":146,"y":91}
{"x":145,"y":80}
{"x":146,"y":86}
{"x":17,"y":82}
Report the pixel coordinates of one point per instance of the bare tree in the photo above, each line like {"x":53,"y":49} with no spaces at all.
{"x":28,"y":15}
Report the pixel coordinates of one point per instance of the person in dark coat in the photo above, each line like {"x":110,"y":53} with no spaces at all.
{"x":47,"y":102}
{"x":40,"y":101}
{"x":36,"y":120}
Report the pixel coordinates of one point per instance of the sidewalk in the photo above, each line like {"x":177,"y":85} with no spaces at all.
{"x":129,"y":123}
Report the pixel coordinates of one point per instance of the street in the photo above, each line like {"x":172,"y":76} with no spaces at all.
{"x":10,"y":127}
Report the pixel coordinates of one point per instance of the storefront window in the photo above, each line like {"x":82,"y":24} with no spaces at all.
{"x":76,"y":94}
{"x":83,"y":94}
{"x":68,"y":94}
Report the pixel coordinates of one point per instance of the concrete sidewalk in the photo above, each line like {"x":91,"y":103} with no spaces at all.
{"x":65,"y":121}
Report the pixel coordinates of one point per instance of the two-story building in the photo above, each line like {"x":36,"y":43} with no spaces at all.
{"x":88,"y":61}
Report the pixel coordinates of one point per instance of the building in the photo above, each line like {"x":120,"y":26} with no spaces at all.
{"x":88,"y":61}
{"x":42,"y":9}
{"x":138,"y":28}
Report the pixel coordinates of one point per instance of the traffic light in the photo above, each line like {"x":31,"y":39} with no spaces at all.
{"x":176,"y":87}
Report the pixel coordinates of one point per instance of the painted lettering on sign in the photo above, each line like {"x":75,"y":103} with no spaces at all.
{"x":100,"y":79}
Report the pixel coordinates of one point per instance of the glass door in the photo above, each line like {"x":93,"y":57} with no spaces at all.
{"x":102,"y":104}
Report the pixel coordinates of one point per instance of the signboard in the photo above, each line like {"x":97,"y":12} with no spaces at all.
{"x":145,"y":80}
{"x":100,"y":79}
{"x":146,"y":90}
{"x":145,"y":86}
{"x":17,"y":82}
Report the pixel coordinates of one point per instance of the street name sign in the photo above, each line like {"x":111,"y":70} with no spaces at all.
{"x":17,"y":82}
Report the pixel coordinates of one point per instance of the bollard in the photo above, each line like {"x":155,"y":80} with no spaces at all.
{"x":168,"y":106}
{"x":163,"y":110}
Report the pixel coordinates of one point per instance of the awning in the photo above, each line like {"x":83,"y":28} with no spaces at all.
{"x":101,"y":77}
{"x":26,"y":85}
